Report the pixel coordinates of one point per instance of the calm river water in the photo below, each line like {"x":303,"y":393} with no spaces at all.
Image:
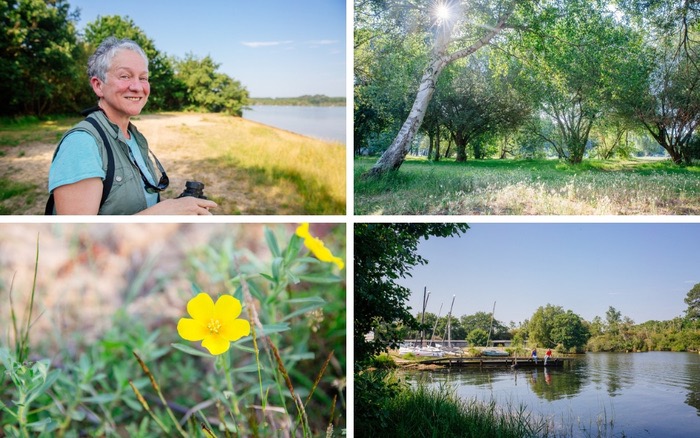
{"x":601,"y":394}
{"x":326,"y":123}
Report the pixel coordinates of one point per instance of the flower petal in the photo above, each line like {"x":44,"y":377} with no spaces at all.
{"x":322,"y":253}
{"x":235,"y":330}
{"x":191,"y":330}
{"x":303,"y":230}
{"x":216,"y":344}
{"x":201,"y":308}
{"x":227,"y":308}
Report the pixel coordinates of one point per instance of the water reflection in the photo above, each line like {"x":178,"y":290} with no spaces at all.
{"x":555,"y":384}
{"x":692,"y":368}
{"x":632,"y":390}
{"x":613,"y":372}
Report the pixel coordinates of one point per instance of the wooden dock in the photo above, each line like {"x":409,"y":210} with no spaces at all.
{"x":490,"y":362}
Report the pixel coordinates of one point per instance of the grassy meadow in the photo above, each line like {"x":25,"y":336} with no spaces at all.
{"x":90,"y":344}
{"x":529,"y":187}
{"x":247,"y":168}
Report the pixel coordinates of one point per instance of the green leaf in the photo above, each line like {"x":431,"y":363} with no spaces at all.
{"x":50,"y":379}
{"x":100,"y":399}
{"x":191,"y":351}
{"x":293,"y":249}
{"x":276,"y":265}
{"x":300,"y":356}
{"x":133,"y":404}
{"x":306,"y":300}
{"x":272,"y":243}
{"x":321,"y":278}
{"x":302,"y":311}
{"x":239,"y":346}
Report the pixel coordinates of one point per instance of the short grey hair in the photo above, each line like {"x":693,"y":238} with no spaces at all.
{"x":101,"y":60}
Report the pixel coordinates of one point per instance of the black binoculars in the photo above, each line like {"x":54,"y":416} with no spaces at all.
{"x":194,"y":189}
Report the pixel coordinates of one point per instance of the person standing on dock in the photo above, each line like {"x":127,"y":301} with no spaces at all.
{"x":534,"y":355}
{"x":547,"y":355}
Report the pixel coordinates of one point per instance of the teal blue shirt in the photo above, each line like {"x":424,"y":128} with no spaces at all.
{"x":78,"y":158}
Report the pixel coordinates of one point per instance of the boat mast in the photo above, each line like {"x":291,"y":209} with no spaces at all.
{"x":422,"y":318}
{"x":432,"y":335}
{"x":491,"y":326}
{"x":449,"y":324}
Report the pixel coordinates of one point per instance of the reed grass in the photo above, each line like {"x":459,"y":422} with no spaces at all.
{"x":438,"y":412}
{"x":529,"y":187}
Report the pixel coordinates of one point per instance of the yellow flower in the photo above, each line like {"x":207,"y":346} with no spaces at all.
{"x":317,"y":247}
{"x":216,"y":325}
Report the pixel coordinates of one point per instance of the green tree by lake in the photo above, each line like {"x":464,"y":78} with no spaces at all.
{"x":478,"y":337}
{"x":693,"y":302}
{"x":550,"y":326}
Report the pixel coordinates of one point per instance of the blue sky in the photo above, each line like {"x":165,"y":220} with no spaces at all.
{"x":276,"y":48}
{"x":643,"y":270}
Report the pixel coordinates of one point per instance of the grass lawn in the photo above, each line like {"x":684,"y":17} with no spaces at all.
{"x":247,"y":167}
{"x":529,"y":187}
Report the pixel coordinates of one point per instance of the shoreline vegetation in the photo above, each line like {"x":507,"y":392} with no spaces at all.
{"x":402,"y":410}
{"x":306,"y":100}
{"x":247,"y":167}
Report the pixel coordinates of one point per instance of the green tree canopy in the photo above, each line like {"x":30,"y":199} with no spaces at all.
{"x":385,"y":253}
{"x":208,"y":89}
{"x":693,"y":302}
{"x":541,"y":325}
{"x":551,"y":326}
{"x":477,"y":337}
{"x":482,"y":320}
{"x":569,"y":331}
{"x":38,"y":53}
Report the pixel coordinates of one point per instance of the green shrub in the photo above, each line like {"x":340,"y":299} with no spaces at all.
{"x":383,"y":361}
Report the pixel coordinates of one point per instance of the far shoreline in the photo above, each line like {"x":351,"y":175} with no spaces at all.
{"x":315,"y":100}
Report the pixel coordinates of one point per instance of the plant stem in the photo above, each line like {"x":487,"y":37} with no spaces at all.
{"x":229,"y":384}
{"x":156,"y":387}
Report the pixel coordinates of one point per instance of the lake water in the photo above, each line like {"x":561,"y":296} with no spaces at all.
{"x":601,"y":394}
{"x":326,"y":123}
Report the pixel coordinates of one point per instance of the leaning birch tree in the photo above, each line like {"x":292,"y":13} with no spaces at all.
{"x":453,"y":23}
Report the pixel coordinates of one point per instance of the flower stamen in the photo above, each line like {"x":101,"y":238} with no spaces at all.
{"x":214,"y":326}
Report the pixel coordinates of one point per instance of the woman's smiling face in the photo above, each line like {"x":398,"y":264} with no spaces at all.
{"x":126,"y":89}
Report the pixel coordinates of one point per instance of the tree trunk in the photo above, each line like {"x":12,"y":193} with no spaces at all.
{"x":395,"y":155}
{"x":430,"y":145}
{"x":437,"y":144}
{"x":461,"y":144}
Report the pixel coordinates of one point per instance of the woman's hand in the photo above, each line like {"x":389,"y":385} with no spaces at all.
{"x":187,"y":205}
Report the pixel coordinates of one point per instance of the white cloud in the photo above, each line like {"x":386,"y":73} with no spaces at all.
{"x":256,"y":44}
{"x":323,"y":42}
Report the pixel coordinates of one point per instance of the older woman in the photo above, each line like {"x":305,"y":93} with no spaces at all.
{"x":102,"y":165}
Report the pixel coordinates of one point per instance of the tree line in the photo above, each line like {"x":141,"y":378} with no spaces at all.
{"x":569,"y":79}
{"x":305,"y":100}
{"x":553,"y":327}
{"x":43,"y":61}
